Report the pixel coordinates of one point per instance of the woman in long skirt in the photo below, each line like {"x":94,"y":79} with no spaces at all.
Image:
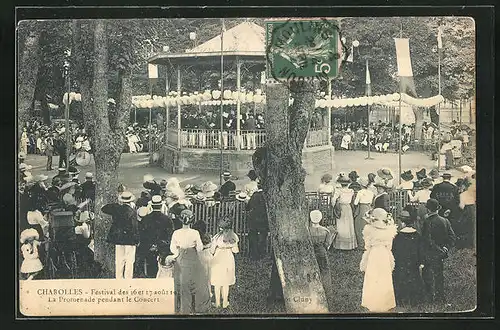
{"x":378,"y":262}
{"x":190,"y":280}
{"x":363,"y":201}
{"x":346,"y":236}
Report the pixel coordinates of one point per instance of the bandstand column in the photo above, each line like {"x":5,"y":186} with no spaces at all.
{"x":179,"y":127}
{"x":238,"y":104}
{"x":167,"y":110}
{"x":329,"y":115}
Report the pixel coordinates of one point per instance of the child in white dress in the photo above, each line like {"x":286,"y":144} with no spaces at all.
{"x":222,"y":271}
{"x":31,"y":264}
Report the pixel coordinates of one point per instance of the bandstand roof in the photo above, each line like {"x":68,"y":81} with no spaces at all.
{"x":246,"y":41}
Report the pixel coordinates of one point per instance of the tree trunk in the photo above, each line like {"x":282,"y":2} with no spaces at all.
{"x":283,"y":182}
{"x":27,"y":73}
{"x":419,"y":122}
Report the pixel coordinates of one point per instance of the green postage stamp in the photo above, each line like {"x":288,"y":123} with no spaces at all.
{"x":303,"y":49}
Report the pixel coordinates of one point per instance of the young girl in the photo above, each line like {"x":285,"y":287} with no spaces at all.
{"x":222,"y":272}
{"x":31,"y":265}
{"x":378,"y":262}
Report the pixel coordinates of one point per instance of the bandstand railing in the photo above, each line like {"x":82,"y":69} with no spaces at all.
{"x":247,"y":140}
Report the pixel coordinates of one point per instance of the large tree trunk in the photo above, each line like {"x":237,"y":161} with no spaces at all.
{"x":419,"y":122}
{"x":283,"y":182}
{"x":27,"y":71}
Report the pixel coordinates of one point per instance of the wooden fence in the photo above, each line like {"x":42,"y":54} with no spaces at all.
{"x":212,"y":212}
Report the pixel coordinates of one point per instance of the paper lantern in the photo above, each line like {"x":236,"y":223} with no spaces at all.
{"x":369,"y":100}
{"x":78,"y":97}
{"x":362,"y":101}
{"x":227,"y":94}
{"x":258,"y":91}
{"x":249,"y":97}
{"x":216,"y":94}
{"x":257,"y":98}
{"x":356,"y":102}
{"x":382,"y":99}
{"x":235,"y":95}
{"x":395,"y":96}
{"x":376,"y":99}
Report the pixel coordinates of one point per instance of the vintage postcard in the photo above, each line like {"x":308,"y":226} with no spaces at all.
{"x":246,"y":166}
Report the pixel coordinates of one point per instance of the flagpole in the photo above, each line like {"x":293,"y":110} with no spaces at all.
{"x":400,"y":112}
{"x":221,"y":97}
{"x":368,"y":94}
{"x":439,"y":104}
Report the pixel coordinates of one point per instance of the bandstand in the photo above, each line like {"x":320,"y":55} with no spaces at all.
{"x":200,"y":150}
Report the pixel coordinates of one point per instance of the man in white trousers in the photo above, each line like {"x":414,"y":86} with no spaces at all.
{"x":123,"y":233}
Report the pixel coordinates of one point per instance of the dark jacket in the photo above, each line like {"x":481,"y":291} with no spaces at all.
{"x":155,"y":227}
{"x":446,"y":193}
{"x":227,"y":188}
{"x":39,"y":197}
{"x":175,"y":214}
{"x":436,"y":234}
{"x":88,"y":190}
{"x":124,"y":230}
{"x":257,"y":212}
{"x":154,"y":187}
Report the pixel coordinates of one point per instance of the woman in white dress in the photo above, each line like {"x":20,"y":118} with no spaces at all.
{"x":326,"y":187}
{"x":222,"y":272}
{"x":189,"y":276}
{"x":346,"y":236}
{"x":131,"y":143}
{"x":363,"y":202}
{"x":24,"y":142}
{"x":378,"y":262}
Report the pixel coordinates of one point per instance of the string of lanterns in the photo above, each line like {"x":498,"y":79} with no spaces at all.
{"x":212,"y":98}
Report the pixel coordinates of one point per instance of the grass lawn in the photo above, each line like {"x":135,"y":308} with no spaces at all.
{"x":249,"y":295}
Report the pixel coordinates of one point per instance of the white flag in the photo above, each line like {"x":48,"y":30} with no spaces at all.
{"x":153,"y":71}
{"x":403,"y":57}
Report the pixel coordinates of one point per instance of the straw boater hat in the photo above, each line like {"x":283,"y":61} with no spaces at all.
{"x":315,"y":216}
{"x":326,"y":178}
{"x":385,"y":173}
{"x":200,"y":197}
{"x":29,"y":234}
{"x":126,"y":197}
{"x":156,"y":200}
{"x":446,"y":176}
{"x":432,"y":205}
{"x":422,"y":174}
{"x":434,"y":174}
{"x":89,"y":176}
{"x":242,"y":197}
{"x":226,"y":174}
{"x":379,"y":218}
{"x":148,"y":178}
{"x":407,"y":175}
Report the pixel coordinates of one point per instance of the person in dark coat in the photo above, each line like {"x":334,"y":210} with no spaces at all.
{"x":438,"y":238}
{"x":408,"y":256}
{"x":448,"y":196}
{"x":38,"y":193}
{"x":62,"y":175}
{"x":382,"y":198}
{"x":258,"y":226}
{"x":60,"y":148}
{"x":123,"y":233}
{"x":88,"y":187}
{"x":228,"y":187}
{"x":143,"y":200}
{"x":155,"y":227}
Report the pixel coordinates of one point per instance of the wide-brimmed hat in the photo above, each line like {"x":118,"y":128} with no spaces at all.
{"x":68,"y":185}
{"x":208,"y":187}
{"x":156,"y":200}
{"x":200,"y":197}
{"x":21,"y":155}
{"x":353,"y":175}
{"x":316,"y":216}
{"x":343,"y":179}
{"x":432,"y":205}
{"x":446,"y":176}
{"x":242,"y":196}
{"x":426,"y":183}
{"x":252,"y":175}
{"x":379,"y":218}
{"x":385,"y":173}
{"x":326,"y":177}
{"x":422,"y":174}
{"x":24,"y":167}
{"x":226,"y":174}
{"x":434,"y":174}
{"x":148,"y":178}
{"x":89,"y":175}
{"x":29,"y":234}
{"x":126,"y":197}
{"x":40,"y":178}
{"x":407,"y":175}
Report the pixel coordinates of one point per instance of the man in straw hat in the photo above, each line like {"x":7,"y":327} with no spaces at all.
{"x":228,"y":187}
{"x":438,"y":238}
{"x":258,"y":225}
{"x":155,"y":227}
{"x":123,"y":233}
{"x":61,"y":176}
{"x":252,"y":186}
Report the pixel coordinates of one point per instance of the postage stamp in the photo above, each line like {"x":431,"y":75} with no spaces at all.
{"x":303,"y":49}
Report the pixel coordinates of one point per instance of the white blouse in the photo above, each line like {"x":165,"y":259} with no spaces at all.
{"x":364,"y":196}
{"x":344,"y":195}
{"x":421,"y":196}
{"x":84,"y":230}
{"x":36,"y":218}
{"x":185,"y":238}
{"x":326,"y":188}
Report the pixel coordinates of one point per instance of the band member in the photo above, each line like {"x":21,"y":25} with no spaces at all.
{"x":448,"y":196}
{"x":49,"y":151}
